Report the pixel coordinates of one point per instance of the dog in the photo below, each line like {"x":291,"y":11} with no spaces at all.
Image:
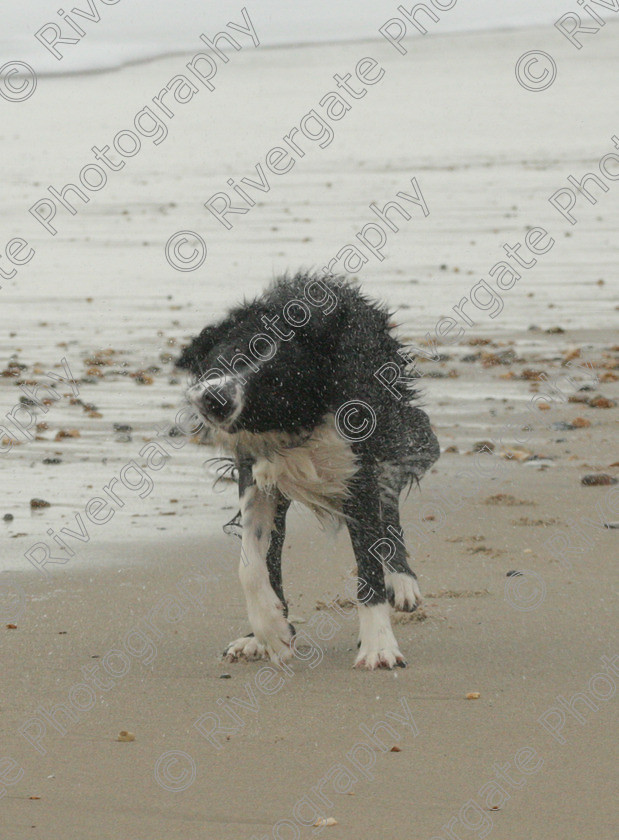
{"x":312,"y":395}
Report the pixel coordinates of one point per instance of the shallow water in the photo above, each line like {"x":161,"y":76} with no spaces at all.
{"x":143,"y":29}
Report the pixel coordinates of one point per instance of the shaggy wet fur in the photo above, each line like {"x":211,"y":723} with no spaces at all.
{"x":313,"y":397}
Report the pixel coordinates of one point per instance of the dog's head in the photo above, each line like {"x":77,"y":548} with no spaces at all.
{"x":266,"y":366}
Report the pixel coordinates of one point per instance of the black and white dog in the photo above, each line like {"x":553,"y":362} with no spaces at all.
{"x":311,"y":394}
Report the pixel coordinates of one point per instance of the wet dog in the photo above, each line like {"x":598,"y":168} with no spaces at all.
{"x":312,"y":395}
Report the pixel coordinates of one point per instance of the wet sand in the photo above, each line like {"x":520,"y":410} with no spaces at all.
{"x":151,"y":596}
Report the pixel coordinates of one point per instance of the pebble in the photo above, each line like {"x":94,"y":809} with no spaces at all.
{"x":598,"y":479}
{"x":562,"y":426}
{"x":601,"y":402}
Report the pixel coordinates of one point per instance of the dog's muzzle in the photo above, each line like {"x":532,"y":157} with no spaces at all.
{"x":218,"y":400}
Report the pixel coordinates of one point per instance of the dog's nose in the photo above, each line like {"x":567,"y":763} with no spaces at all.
{"x":214,"y":400}
{"x":212,"y":406}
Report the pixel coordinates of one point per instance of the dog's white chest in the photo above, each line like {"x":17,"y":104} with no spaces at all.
{"x":315,"y":473}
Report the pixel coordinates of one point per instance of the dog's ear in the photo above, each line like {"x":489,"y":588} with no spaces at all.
{"x":195,"y":352}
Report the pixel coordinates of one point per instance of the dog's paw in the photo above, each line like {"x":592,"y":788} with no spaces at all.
{"x":271,"y":627}
{"x":402,"y":591}
{"x":378,"y":647}
{"x":277,"y":637}
{"x":372,"y":658}
{"x":246,"y":648}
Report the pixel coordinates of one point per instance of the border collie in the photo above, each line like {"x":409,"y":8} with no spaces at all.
{"x":312,"y":396}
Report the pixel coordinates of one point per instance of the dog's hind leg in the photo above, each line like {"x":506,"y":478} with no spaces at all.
{"x":260,"y":574}
{"x":378,"y":647}
{"x":400,"y":580}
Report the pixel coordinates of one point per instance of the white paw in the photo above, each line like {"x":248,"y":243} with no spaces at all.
{"x":378,"y":647}
{"x":372,"y":659}
{"x":270,"y":626}
{"x":402,"y":591}
{"x":247,"y":647}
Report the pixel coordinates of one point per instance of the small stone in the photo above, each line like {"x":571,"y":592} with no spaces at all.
{"x":483,"y":446}
{"x":516,"y":454}
{"x":8,"y":517}
{"x":598,"y":479}
{"x":530,"y":373}
{"x":473,"y":695}
{"x":39,"y":503}
{"x":601,"y":402}
{"x":142,"y":378}
{"x":67,"y":433}
{"x":124,"y":735}
{"x":562,"y":426}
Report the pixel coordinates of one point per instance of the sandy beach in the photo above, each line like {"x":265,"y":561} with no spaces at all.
{"x":122,"y":630}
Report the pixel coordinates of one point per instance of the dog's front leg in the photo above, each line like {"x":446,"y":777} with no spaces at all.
{"x":272,"y":634}
{"x":378,"y":647}
{"x":401,"y":581}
